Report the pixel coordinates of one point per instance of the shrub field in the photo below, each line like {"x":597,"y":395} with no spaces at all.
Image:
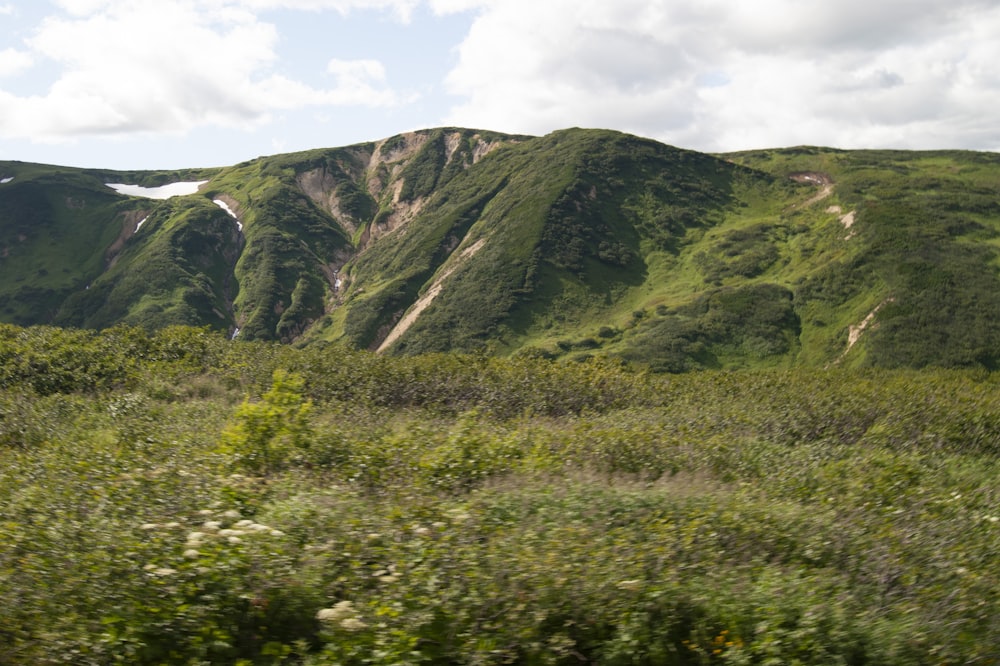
{"x":176,"y":498}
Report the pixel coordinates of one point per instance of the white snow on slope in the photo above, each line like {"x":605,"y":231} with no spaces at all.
{"x":139,"y":226}
{"x":162,"y":192}
{"x":4,"y":181}
{"x":224,"y":206}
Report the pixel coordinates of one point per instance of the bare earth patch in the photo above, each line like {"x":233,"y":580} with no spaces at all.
{"x":814,"y":178}
{"x":854,"y":332}
{"x":418,"y":308}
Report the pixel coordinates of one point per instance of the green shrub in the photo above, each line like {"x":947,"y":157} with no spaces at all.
{"x":264,"y":435}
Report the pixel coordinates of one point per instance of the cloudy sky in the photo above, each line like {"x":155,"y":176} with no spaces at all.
{"x":136,"y":84}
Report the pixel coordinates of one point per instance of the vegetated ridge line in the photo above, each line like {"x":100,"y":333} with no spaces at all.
{"x":417,"y":309}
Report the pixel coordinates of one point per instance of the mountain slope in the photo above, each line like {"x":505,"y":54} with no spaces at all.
{"x":563,"y":225}
{"x":578,"y":243}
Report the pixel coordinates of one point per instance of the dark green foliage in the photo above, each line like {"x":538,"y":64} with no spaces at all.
{"x":52,"y":360}
{"x":356,"y":202}
{"x":420,"y":176}
{"x":662,"y":191}
{"x":306,"y":307}
{"x":739,"y":253}
{"x":754,"y":322}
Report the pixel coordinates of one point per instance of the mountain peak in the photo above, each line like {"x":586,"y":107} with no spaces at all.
{"x":576,"y":243}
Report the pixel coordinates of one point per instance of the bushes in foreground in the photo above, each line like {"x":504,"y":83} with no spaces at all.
{"x":748,"y":518}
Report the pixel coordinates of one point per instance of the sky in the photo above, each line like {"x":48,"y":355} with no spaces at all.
{"x":168,"y":84}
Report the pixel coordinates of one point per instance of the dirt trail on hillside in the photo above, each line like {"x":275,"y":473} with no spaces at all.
{"x":814,"y":178}
{"x":424,"y":301}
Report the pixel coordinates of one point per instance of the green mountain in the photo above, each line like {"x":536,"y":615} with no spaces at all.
{"x":578,"y":243}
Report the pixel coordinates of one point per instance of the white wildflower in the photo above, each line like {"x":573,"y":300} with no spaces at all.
{"x":231,"y":533}
{"x":439,"y":525}
{"x":244,"y":523}
{"x":232,"y":514}
{"x":388,"y":579}
{"x":277,"y":533}
{"x":633,"y":584}
{"x":149,"y":526}
{"x":205,"y":512}
{"x":234,"y":540}
{"x":340,"y":610}
{"x":164,"y":571}
{"x":420,"y":531}
{"x":172,"y":525}
{"x":211,"y":526}
{"x":257,"y":527}
{"x":196,"y":537}
{"x":149,"y":567}
{"x":191,"y":554}
{"x":352,"y":624}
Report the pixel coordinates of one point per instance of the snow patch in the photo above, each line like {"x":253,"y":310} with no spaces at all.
{"x":139,"y":226}
{"x":177,"y":189}
{"x":224,"y":206}
{"x":235,"y":333}
{"x":4,"y":181}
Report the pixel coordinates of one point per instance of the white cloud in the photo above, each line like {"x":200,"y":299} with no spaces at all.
{"x":401,"y":9}
{"x":129,"y":67}
{"x":360,"y":80}
{"x":703,"y":74}
{"x":727,"y":74}
{"x":13,"y":62}
{"x":454,"y":6}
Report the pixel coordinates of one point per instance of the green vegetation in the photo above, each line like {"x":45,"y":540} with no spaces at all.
{"x":578,"y":244}
{"x":178,"y":277}
{"x":174,"y":497}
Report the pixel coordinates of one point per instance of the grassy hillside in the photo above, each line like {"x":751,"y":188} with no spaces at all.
{"x":589,"y":242}
{"x":56,"y":228}
{"x":568,"y":249}
{"x":571,"y":245}
{"x":923,"y":246}
{"x":178,"y":498}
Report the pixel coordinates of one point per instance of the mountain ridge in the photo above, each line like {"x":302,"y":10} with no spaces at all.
{"x":586,"y":242}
